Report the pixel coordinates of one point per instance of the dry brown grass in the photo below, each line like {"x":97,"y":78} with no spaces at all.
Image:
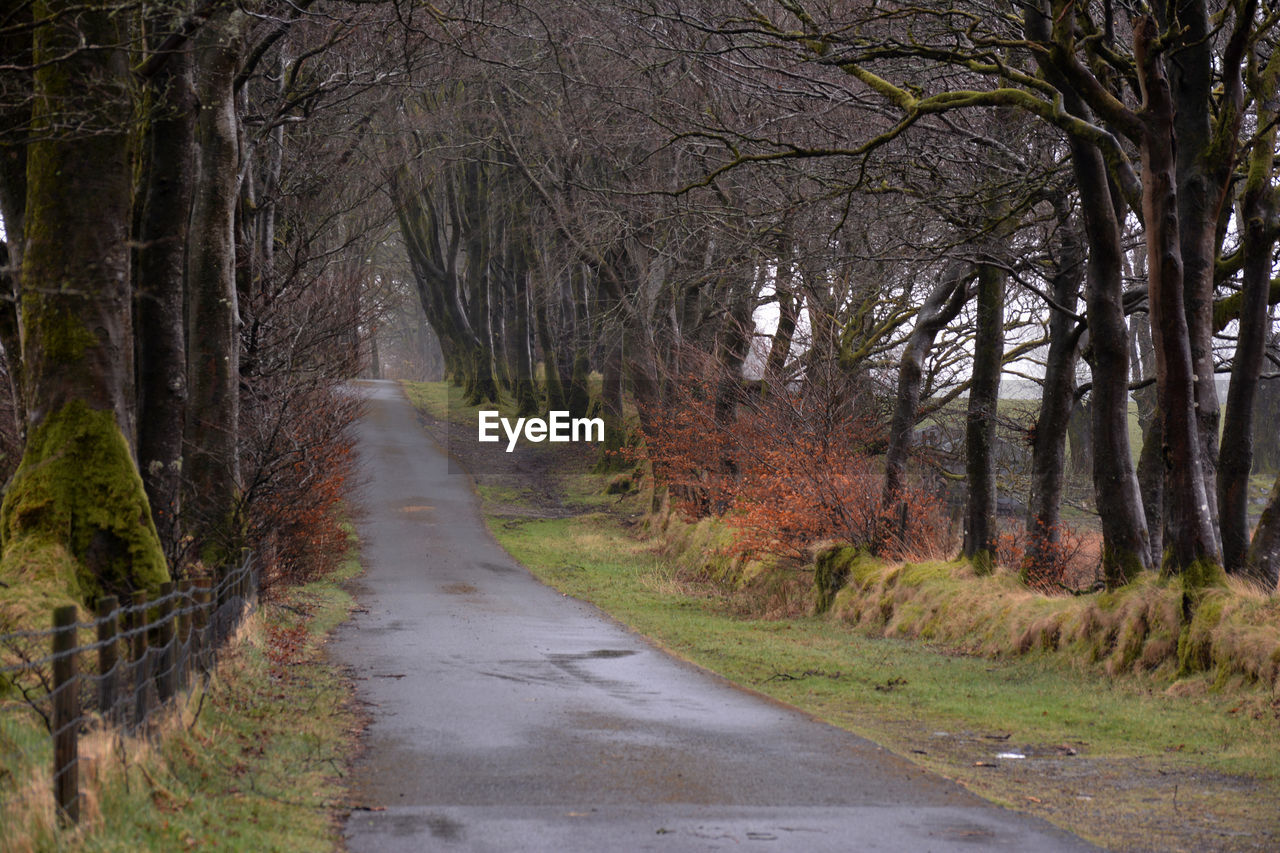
{"x":1149,"y":627}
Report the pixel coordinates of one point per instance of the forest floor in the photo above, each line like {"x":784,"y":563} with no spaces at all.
{"x":1124,"y":761}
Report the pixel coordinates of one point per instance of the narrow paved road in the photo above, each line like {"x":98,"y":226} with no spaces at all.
{"x":507,"y":717}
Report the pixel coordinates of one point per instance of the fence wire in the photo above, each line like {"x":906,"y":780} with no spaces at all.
{"x":109,"y":675}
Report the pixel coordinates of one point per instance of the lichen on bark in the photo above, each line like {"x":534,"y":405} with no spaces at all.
{"x":77,"y":488}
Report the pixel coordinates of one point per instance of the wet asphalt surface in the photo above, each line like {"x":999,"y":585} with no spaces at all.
{"x":507,"y":717}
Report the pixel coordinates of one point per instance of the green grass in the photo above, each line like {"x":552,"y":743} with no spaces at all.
{"x":253,"y":763}
{"x":445,"y":401}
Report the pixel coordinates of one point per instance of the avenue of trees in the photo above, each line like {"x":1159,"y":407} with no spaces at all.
{"x":930,"y":197}
{"x":182,"y":286}
{"x":597,"y":205}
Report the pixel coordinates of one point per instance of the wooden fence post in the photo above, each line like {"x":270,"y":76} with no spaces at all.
{"x":66,"y":712}
{"x":204,"y":601}
{"x":166,"y":680}
{"x":184,"y":632}
{"x":140,"y":657}
{"x":108,"y":655}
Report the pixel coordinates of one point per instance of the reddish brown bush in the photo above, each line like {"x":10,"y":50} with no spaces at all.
{"x":299,"y":462}
{"x":785,"y":470}
{"x":1065,"y":558}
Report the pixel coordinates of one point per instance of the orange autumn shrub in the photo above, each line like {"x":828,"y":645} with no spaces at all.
{"x":301,"y":460}
{"x":783,"y":469}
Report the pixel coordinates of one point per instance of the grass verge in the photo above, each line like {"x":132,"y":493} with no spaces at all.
{"x":252,"y":761}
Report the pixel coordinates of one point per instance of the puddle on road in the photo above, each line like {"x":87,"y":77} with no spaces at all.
{"x":444,"y":827}
{"x":598,"y":654}
{"x":460,"y":589}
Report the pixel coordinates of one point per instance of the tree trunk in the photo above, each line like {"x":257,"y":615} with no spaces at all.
{"x":556,"y":397}
{"x":940,"y":308}
{"x":1263,"y":560}
{"x":1080,"y":430}
{"x":432,"y":259}
{"x":1236,"y":462}
{"x":1258,"y":210}
{"x":580,"y":370}
{"x":213,"y":321}
{"x":613,"y":332}
{"x":980,"y":420}
{"x":788,"y":316}
{"x":10,"y":336}
{"x":1125,"y":540}
{"x":1266,"y":438}
{"x":732,"y":346}
{"x":76,"y":507}
{"x":15,"y":123}
{"x":500,"y":331}
{"x":526,"y":382}
{"x":1150,"y":464}
{"x":1049,"y":443}
{"x":1204,"y":158}
{"x":1192,"y":546}
{"x":161,"y":258}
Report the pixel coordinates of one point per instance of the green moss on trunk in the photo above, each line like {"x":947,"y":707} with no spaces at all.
{"x":830,"y":574}
{"x":78,"y":489}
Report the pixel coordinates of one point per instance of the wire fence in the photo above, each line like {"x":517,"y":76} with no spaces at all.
{"x":113,"y":674}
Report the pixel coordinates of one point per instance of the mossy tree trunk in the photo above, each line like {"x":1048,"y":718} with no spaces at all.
{"x":160,"y":342}
{"x":76,"y":505}
{"x":213,"y":321}
{"x":611,"y":388}
{"x":500,"y":331}
{"x":10,"y":336}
